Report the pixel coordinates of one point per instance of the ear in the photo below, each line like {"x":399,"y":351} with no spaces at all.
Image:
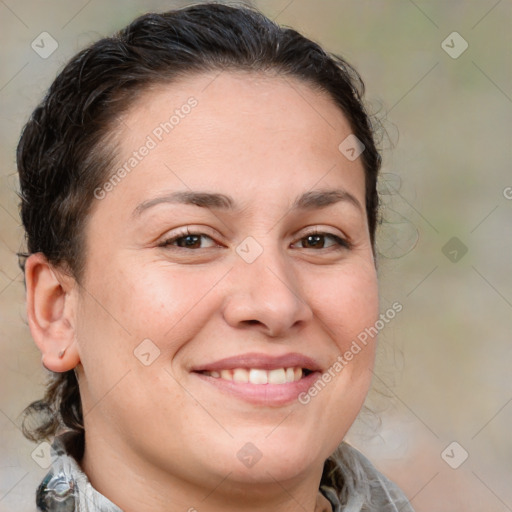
{"x":51,"y":306}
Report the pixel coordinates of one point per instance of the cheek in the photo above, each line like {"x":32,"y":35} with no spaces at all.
{"x":347,"y":302}
{"x":168,"y":304}
{"x":147,"y":300}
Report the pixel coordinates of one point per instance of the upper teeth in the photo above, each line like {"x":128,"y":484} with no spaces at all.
{"x":259,"y":376}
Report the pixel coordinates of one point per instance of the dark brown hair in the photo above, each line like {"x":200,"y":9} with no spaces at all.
{"x":67,"y":147}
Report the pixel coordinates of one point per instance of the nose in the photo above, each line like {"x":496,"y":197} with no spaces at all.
{"x":266,"y":295}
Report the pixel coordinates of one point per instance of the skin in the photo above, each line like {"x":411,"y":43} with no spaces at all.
{"x":158,"y":437}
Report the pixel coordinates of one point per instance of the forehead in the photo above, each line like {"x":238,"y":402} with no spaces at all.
{"x":224,"y":102}
{"x":235,"y":130}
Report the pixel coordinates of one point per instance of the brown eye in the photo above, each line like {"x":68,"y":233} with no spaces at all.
{"x":322,"y":241}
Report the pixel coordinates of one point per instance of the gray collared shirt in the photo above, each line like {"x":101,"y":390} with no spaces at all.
{"x":350,"y":482}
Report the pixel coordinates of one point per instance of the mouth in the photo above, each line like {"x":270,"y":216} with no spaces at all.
{"x":261,"y":379}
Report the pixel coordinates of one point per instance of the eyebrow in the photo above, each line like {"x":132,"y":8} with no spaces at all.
{"x":308,"y":201}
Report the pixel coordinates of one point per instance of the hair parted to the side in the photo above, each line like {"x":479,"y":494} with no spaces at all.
{"x":68,"y":146}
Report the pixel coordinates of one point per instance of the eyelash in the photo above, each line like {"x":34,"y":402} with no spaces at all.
{"x":342,"y":243}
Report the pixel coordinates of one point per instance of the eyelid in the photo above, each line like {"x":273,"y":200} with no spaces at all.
{"x":202,"y":231}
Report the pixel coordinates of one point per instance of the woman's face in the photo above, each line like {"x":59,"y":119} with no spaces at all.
{"x":177,"y":333}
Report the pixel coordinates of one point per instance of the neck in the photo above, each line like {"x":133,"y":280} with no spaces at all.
{"x":134,"y":484}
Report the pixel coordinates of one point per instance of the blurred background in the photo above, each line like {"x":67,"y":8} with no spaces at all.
{"x":438,"y":77}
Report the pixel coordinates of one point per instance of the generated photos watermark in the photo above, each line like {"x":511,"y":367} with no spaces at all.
{"x":152,"y":140}
{"x":356,"y":347}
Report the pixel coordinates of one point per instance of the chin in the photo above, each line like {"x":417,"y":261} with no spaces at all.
{"x":267,"y":460}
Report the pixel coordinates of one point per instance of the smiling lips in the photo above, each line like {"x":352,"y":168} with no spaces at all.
{"x":262,"y":379}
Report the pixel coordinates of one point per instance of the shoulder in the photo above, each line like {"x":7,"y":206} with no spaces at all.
{"x":358,"y":486}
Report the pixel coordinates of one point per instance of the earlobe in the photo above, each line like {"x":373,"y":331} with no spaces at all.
{"x":51,"y":297}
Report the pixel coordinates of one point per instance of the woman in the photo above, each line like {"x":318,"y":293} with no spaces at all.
{"x":199,"y":196}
